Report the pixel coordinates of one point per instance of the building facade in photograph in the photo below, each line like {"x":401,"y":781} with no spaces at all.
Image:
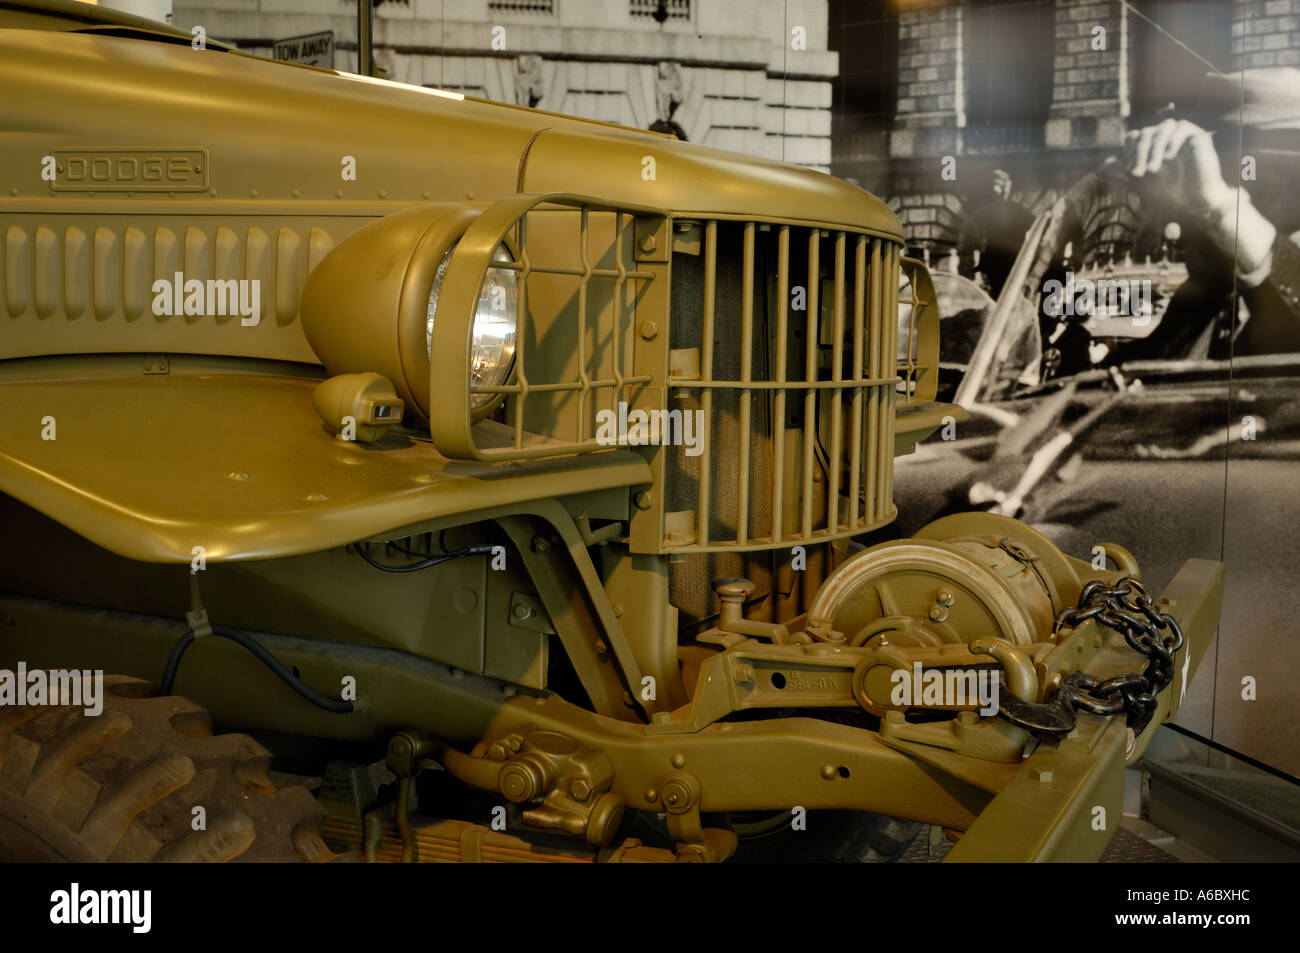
{"x":1041,"y":90}
{"x":753,"y":76}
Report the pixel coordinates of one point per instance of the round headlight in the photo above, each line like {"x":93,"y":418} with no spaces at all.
{"x":492,"y":347}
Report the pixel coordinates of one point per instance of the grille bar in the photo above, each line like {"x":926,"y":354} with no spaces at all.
{"x":778,"y":415}
{"x":810,"y":374}
{"x":521,"y":378}
{"x":706,"y":373}
{"x":746,"y":374}
{"x":584,"y":382}
{"x":889,"y":347}
{"x":837,"y":376}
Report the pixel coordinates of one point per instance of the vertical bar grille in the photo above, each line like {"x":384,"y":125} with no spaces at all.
{"x":783,"y":339}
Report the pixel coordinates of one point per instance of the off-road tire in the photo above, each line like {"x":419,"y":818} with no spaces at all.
{"x":123,"y":786}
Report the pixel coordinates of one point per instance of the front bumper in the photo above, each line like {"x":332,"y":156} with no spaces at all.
{"x":1066,"y":801}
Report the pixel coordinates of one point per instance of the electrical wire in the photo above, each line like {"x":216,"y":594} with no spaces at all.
{"x":174,"y":661}
{"x":426,"y":559}
{"x":275,"y":665}
{"x":410,"y":567}
{"x":337,"y":706}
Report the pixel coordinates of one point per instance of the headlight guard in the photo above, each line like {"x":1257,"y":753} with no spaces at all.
{"x":365,"y":307}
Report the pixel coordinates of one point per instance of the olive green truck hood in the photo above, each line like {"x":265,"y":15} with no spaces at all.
{"x":258,"y":159}
{"x":279,"y":132}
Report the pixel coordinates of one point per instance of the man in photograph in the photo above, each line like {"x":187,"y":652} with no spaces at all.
{"x":1179,"y":166}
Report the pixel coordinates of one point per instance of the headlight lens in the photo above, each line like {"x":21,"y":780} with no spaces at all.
{"x":492,"y":346}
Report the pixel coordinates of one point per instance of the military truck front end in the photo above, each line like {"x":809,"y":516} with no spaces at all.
{"x":554,"y":453}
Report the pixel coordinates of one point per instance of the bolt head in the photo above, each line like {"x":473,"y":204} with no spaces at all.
{"x":580,"y":789}
{"x":676,"y":797}
{"x":517,"y":783}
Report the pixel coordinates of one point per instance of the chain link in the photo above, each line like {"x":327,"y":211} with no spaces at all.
{"x":1126,"y":608}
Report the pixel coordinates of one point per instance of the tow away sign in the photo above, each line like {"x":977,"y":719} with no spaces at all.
{"x":315,"y":49}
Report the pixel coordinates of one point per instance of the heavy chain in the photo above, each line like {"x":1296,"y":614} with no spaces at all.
{"x":1125,"y":608}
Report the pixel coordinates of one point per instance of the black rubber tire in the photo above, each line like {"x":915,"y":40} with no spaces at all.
{"x":123,"y":785}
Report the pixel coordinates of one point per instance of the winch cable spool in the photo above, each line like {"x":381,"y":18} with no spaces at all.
{"x":979,"y":579}
{"x":921,"y":565}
